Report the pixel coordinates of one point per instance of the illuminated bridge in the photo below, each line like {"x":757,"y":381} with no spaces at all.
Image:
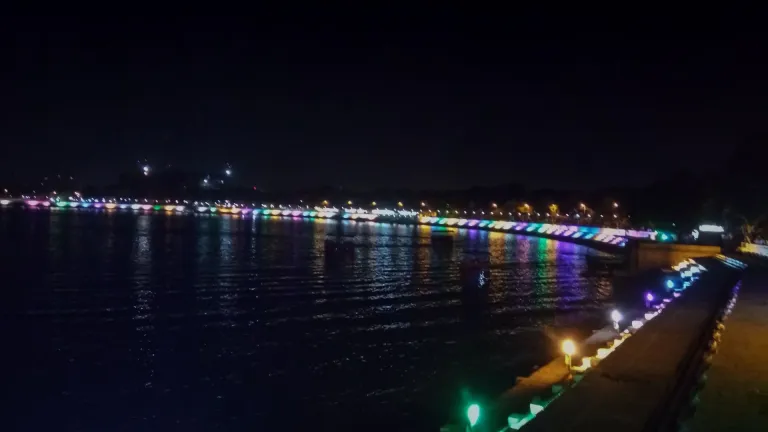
{"x":611,"y":237}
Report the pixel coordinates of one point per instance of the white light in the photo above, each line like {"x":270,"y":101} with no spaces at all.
{"x":636,"y":324}
{"x":616,"y":316}
{"x":603,"y":353}
{"x":228,"y":172}
{"x":711,"y":228}
{"x":535,"y":408}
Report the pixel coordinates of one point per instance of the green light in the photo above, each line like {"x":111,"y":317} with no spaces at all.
{"x":157,"y":207}
{"x":473,"y":414}
{"x":213,"y":209}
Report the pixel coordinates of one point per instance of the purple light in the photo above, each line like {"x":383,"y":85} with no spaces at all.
{"x":649,"y":297}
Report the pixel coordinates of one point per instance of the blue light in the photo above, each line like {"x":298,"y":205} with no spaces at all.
{"x":670,"y":284}
{"x":664,"y":237}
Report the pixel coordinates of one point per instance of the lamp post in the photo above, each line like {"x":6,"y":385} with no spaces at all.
{"x":473,"y":414}
{"x":569,"y":349}
{"x":616,"y":318}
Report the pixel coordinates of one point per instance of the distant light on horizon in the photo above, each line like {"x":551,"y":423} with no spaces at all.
{"x":711,"y":228}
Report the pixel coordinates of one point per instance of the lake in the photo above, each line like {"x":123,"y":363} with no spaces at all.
{"x":122,"y":321}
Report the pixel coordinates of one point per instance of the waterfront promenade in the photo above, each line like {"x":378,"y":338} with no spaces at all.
{"x":735,"y":396}
{"x":638,"y":387}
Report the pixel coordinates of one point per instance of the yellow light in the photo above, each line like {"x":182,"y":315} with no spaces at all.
{"x":325,"y":202}
{"x":349,"y":202}
{"x":568,"y":347}
{"x":373,"y":203}
{"x":400,"y":203}
{"x":603,"y":353}
{"x":586,"y":363}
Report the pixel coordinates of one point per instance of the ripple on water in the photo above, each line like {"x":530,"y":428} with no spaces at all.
{"x":149,"y":321}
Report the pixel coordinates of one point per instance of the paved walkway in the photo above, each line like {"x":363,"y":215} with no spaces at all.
{"x":735,"y":397}
{"x":628,"y":388}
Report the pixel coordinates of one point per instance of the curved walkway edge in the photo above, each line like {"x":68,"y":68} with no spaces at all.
{"x":735,"y":397}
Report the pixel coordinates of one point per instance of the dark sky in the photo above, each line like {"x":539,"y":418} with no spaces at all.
{"x":440,"y":99}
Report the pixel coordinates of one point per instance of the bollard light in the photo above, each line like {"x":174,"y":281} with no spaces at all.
{"x":569,"y":349}
{"x":616,"y":317}
{"x":473,"y":414}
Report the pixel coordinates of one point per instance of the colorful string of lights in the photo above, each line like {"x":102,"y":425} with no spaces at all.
{"x":612,"y":236}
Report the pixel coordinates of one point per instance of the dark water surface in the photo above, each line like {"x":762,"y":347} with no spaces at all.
{"x":118,"y":321}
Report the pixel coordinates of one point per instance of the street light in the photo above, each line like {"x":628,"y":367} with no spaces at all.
{"x":373,"y":203}
{"x":145,"y":169}
{"x":228,"y":172}
{"x":615,"y":204}
{"x":400,"y":203}
{"x":423,"y":204}
{"x":349,"y":202}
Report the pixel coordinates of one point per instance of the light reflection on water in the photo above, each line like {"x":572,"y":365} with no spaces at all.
{"x":197,"y":322}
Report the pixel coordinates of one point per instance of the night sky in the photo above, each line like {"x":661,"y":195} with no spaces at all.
{"x":443,"y":99}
